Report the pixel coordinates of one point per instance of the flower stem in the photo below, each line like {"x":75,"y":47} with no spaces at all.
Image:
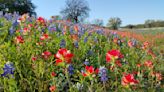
{"x":67,"y":77}
{"x":104,"y":86}
{"x":90,"y":87}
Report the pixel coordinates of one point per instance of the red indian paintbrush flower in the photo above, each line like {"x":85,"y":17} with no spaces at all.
{"x":113,"y":54}
{"x":76,"y":28}
{"x":19,"y":39}
{"x":118,"y":63}
{"x":138,"y":65}
{"x":149,"y":64}
{"x":63,"y":55}
{"x":157,"y":75}
{"x":90,"y":70}
{"x":46,"y":54}
{"x":52,"y":88}
{"x":145,"y":45}
{"x":115,"y":40}
{"x":34,"y":58}
{"x":41,"y":20}
{"x":128,"y":79}
{"x":53,"y":74}
{"x":44,"y":36}
{"x":130,"y":44}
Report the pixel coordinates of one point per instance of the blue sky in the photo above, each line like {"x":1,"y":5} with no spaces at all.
{"x":130,"y":11}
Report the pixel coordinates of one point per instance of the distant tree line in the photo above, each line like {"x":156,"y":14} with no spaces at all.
{"x":147,"y":24}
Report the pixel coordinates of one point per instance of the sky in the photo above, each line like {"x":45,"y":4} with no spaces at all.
{"x":130,"y":11}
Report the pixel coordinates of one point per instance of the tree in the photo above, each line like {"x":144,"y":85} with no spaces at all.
{"x":98,"y":22}
{"x":114,"y":23}
{"x":130,"y":26}
{"x":76,"y":10}
{"x":21,"y":6}
{"x":149,"y":23}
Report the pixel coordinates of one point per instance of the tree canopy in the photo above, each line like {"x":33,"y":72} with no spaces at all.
{"x":21,"y":6}
{"x":76,"y":10}
{"x":114,"y":23}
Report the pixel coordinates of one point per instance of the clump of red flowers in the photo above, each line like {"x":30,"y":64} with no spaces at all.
{"x":52,"y":88}
{"x":113,"y":54}
{"x":128,"y":79}
{"x":76,"y":28}
{"x":157,"y":75}
{"x":41,"y":21}
{"x":149,"y":64}
{"x":145,"y":45}
{"x":63,"y":55}
{"x":53,"y":74}
{"x":115,"y":40}
{"x":19,"y":39}
{"x":89,"y":71}
{"x":130,"y":44}
{"x":34,"y":58}
{"x":44,"y":36}
{"x":25,"y":30}
{"x":46,"y":54}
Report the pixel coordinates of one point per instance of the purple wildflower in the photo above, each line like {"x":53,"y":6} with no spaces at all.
{"x":62,"y":43}
{"x":85,"y":39}
{"x":71,"y":69}
{"x":90,"y":52}
{"x":103,"y":74}
{"x":8,"y":69}
{"x":86,"y":62}
{"x":76,"y":44}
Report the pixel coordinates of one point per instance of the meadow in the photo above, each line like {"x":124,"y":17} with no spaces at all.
{"x":39,"y":55}
{"x":154,"y":36}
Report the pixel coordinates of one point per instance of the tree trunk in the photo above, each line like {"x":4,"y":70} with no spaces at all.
{"x":76,"y":19}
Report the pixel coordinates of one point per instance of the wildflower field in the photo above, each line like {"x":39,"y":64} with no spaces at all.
{"x":39,"y":55}
{"x":154,"y":36}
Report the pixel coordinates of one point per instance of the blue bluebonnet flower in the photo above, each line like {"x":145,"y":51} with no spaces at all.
{"x":11,"y":30}
{"x":103,"y":74}
{"x":52,"y":27}
{"x":119,"y":42}
{"x":8,"y":69}
{"x":134,"y":42}
{"x":76,"y":44}
{"x":71,"y":31}
{"x":59,"y":26}
{"x":86,"y":62}
{"x":14,"y":23}
{"x":99,"y":32}
{"x":90,"y":52}
{"x":62,"y":43}
{"x":8,"y":16}
{"x":114,"y":35}
{"x":85,"y":39}
{"x":1,"y":14}
{"x":81,"y":32}
{"x":71,"y":69}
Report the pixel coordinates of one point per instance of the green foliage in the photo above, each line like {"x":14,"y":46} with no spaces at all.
{"x":35,"y":75}
{"x":147,"y":24}
{"x":21,"y":6}
{"x":114,"y":23}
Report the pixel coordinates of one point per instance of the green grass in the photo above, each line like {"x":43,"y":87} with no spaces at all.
{"x":146,"y":30}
